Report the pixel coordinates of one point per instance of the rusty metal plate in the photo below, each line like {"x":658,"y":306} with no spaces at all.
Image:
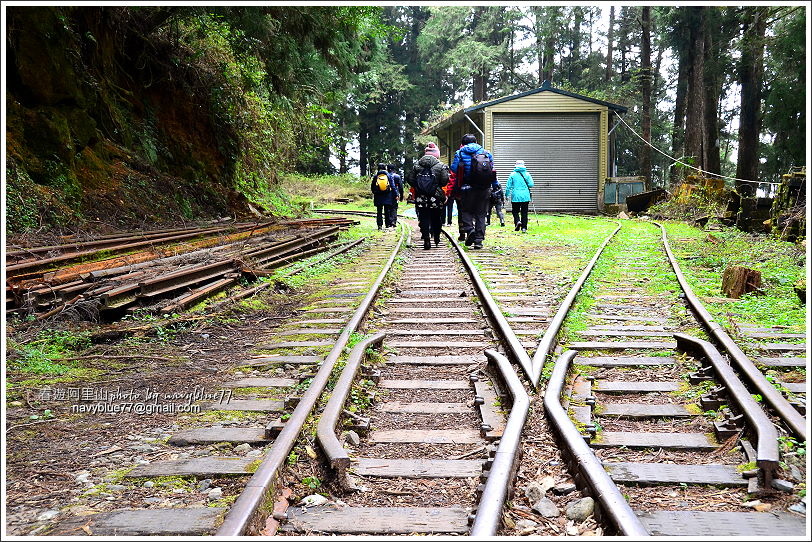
{"x":428,"y":436}
{"x":635,"y":387}
{"x":424,"y":384}
{"x":195,"y":466}
{"x":623,"y":361}
{"x":706,"y":524}
{"x":664,"y":473}
{"x":669,"y":441}
{"x":418,"y":468}
{"x":350,"y":520}
{"x":152,"y":522}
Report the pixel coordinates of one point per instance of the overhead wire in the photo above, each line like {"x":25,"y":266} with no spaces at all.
{"x":677,"y":161}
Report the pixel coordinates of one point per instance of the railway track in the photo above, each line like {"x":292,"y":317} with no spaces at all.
{"x":652,"y":422}
{"x":674,"y":430}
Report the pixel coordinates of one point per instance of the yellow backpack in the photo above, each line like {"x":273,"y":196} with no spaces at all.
{"x":382,"y":180}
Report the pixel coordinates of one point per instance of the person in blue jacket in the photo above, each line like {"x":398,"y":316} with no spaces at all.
{"x":473,"y":200}
{"x":385,"y":196}
{"x":518,"y":192}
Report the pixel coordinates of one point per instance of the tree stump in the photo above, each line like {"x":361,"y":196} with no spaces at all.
{"x":737,"y":281}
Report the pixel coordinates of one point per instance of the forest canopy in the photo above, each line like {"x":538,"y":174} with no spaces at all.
{"x":217,"y":101}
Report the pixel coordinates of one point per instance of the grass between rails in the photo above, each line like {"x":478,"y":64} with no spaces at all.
{"x":703,"y":257}
{"x":638,"y":239}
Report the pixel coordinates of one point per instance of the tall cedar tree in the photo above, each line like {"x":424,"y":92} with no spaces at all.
{"x":751,"y":68}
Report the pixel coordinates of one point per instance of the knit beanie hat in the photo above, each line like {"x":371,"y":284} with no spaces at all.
{"x":432,"y":150}
{"x":519,"y":163}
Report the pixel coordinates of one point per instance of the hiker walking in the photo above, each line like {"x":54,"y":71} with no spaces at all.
{"x":518,"y":192}
{"x":497,"y":202}
{"x":398,"y":184}
{"x":428,"y":177}
{"x":385,"y":196}
{"x":473,"y":167}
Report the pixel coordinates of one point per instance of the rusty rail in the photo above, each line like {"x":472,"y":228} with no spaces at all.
{"x":772,"y":396}
{"x":767,"y":436}
{"x":503,"y":469}
{"x":513,"y":343}
{"x":326,"y":431}
{"x":582,"y":460}
{"x":259,"y":487}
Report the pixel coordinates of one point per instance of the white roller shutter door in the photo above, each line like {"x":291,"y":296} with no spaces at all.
{"x":560,"y":151}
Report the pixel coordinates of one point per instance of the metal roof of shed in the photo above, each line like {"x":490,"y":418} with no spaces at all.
{"x":545,"y":87}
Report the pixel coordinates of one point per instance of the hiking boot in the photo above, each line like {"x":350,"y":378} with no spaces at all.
{"x":461,"y":237}
{"x":503,"y":224}
{"x":518,"y":226}
{"x":469,"y":240}
{"x":524,"y":230}
{"x":437,"y":241}
{"x":477,"y":246}
{"x":426,"y":244}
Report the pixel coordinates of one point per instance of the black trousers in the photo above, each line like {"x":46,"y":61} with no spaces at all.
{"x":499,"y":212}
{"x":473,"y":212}
{"x":449,"y":211}
{"x":518,"y":208}
{"x":431,"y":222}
{"x":386,"y":214}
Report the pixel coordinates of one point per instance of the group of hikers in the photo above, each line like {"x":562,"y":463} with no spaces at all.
{"x":470,"y":180}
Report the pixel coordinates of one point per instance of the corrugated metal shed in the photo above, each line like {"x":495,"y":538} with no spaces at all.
{"x":563,"y":138}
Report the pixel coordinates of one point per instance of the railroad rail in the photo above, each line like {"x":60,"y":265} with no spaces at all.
{"x":649,"y":428}
{"x":172,"y":283}
{"x":447,"y":405}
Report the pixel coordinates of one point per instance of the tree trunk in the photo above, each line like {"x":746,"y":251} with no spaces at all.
{"x":610,"y":38}
{"x":645,"y":83}
{"x":363,"y":149}
{"x":713,"y":87}
{"x":678,"y":130}
{"x":695,"y":110}
{"x":750,"y":74}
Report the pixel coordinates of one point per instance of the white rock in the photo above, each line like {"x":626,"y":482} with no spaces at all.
{"x":149,"y":484}
{"x":244,"y":447}
{"x":48,"y":515}
{"x":313,"y":500}
{"x":215,"y":493}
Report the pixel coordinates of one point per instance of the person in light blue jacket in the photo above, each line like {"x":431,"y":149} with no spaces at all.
{"x":518,"y":192}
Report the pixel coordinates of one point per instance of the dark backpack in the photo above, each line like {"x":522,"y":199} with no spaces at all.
{"x":425,"y":183}
{"x":481,"y":175}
